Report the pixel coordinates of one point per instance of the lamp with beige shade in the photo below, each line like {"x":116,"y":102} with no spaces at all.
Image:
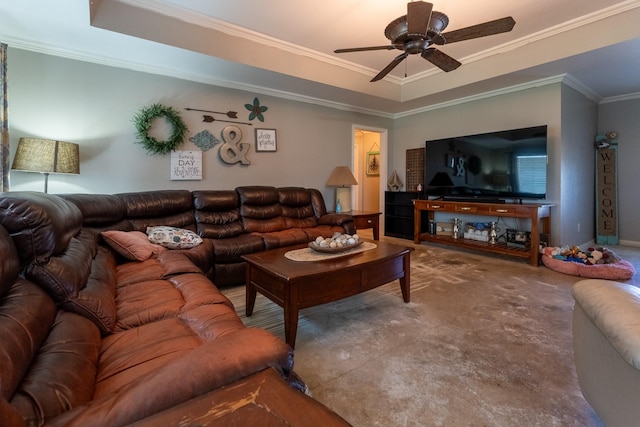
{"x":342,"y":179}
{"x":46,"y":156}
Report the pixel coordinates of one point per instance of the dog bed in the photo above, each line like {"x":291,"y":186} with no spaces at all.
{"x":617,"y":270}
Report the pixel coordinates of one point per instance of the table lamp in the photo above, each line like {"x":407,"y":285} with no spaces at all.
{"x":46,"y":156}
{"x":342,"y":179}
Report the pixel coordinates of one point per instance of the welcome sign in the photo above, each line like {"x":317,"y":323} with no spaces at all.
{"x":606,"y":191}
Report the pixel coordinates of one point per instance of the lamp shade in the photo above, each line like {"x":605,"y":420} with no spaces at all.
{"x":46,"y":156}
{"x":341,"y":177}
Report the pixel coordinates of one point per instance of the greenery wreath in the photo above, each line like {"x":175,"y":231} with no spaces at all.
{"x":143,"y":121}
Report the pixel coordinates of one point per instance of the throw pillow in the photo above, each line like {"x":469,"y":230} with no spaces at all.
{"x":133,"y":245}
{"x":173,"y":237}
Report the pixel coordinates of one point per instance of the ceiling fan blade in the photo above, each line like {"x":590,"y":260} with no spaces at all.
{"x":502,"y":25}
{"x":362,"y":49}
{"x":418,"y":16}
{"x":386,"y":70}
{"x":440,"y":59}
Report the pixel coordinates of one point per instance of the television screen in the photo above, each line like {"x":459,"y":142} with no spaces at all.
{"x":510,"y":164}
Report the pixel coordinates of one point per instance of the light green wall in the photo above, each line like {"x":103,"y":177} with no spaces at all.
{"x":531,"y":107}
{"x":624,"y":118}
{"x":93,"y":105}
{"x":577,"y":168}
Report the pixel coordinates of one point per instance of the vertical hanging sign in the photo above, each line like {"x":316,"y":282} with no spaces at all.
{"x":606,"y":189}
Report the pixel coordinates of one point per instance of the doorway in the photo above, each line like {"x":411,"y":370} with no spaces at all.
{"x":370,"y":169}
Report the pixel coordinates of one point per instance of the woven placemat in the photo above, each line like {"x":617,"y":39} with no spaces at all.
{"x":308,"y":254}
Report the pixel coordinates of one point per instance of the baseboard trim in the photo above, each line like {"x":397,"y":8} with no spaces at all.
{"x":630,"y":243}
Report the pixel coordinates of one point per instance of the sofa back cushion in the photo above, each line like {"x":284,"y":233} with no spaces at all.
{"x":217,"y":213}
{"x":63,"y":373}
{"x":317,"y":201}
{"x":9,"y":262}
{"x":173,"y":208}
{"x":100,"y":211}
{"x":60,"y":256}
{"x":297,"y":209}
{"x":81,"y":280}
{"x":40,"y":224}
{"x":260,"y":209}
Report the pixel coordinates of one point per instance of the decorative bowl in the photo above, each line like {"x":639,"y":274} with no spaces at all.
{"x":337,"y":249}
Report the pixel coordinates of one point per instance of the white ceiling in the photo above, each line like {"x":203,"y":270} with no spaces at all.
{"x":285,"y":47}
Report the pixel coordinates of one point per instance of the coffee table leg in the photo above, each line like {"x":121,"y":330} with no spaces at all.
{"x":290,"y":324}
{"x":250,"y":293}
{"x":405,"y":282}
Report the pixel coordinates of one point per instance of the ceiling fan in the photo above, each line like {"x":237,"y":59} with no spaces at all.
{"x":421,"y":28}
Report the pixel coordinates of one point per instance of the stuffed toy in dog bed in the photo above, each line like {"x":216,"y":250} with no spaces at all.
{"x":600,"y":263}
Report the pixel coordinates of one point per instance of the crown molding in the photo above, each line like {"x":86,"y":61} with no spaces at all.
{"x":489,"y":94}
{"x":255,"y":37}
{"x":183,"y":75}
{"x":627,"y":97}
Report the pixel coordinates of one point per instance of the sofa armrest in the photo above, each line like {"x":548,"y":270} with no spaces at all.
{"x":205,"y":368}
{"x":343,"y":220}
{"x":614,"y":308}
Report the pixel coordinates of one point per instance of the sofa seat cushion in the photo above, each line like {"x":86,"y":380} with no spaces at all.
{"x":160,"y":288}
{"x":200,"y":370}
{"x":62,"y":375}
{"x":201,"y":255}
{"x":228,"y":274}
{"x":231,"y":250}
{"x":130,"y":354}
{"x":279,"y":239}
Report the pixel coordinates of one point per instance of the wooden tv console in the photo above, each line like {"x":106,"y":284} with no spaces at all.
{"x":538,"y":214}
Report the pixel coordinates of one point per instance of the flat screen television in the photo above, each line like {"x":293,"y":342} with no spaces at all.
{"x":494,"y":166}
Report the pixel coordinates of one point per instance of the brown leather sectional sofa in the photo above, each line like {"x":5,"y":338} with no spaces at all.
{"x":89,"y":338}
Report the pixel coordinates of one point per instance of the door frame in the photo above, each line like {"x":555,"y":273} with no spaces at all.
{"x":384,"y":161}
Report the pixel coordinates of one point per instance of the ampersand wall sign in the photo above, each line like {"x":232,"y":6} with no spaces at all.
{"x":233,"y":151}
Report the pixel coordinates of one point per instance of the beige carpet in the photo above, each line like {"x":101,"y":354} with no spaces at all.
{"x":485,"y":341}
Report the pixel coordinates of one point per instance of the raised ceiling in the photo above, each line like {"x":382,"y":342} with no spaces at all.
{"x":285,"y":47}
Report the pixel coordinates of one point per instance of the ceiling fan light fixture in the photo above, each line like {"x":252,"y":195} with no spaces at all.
{"x":422,"y":27}
{"x":438,"y":22}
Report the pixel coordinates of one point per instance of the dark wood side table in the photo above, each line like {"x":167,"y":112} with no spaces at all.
{"x":261,"y":399}
{"x":367,"y":219}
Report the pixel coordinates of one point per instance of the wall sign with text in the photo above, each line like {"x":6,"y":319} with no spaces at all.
{"x":186,"y":165}
{"x":266,"y":140}
{"x":606,"y":189}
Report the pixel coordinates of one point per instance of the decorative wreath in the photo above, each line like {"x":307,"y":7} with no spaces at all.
{"x":143,"y":121}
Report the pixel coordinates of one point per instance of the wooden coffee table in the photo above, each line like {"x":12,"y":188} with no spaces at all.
{"x":295,"y":285}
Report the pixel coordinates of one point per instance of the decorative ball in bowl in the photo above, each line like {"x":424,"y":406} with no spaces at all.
{"x":336,"y":243}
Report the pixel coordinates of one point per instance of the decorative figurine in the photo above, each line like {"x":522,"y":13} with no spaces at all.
{"x":493,"y":234}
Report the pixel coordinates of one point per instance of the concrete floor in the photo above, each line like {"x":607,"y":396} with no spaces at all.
{"x":485,"y":341}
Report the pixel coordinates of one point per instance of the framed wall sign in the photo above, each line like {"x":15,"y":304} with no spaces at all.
{"x":186,"y":165}
{"x":373,"y":163}
{"x":266,"y":140}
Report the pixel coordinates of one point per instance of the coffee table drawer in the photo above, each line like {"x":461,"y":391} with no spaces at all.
{"x":382,"y":273}
{"x":340,"y":285}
